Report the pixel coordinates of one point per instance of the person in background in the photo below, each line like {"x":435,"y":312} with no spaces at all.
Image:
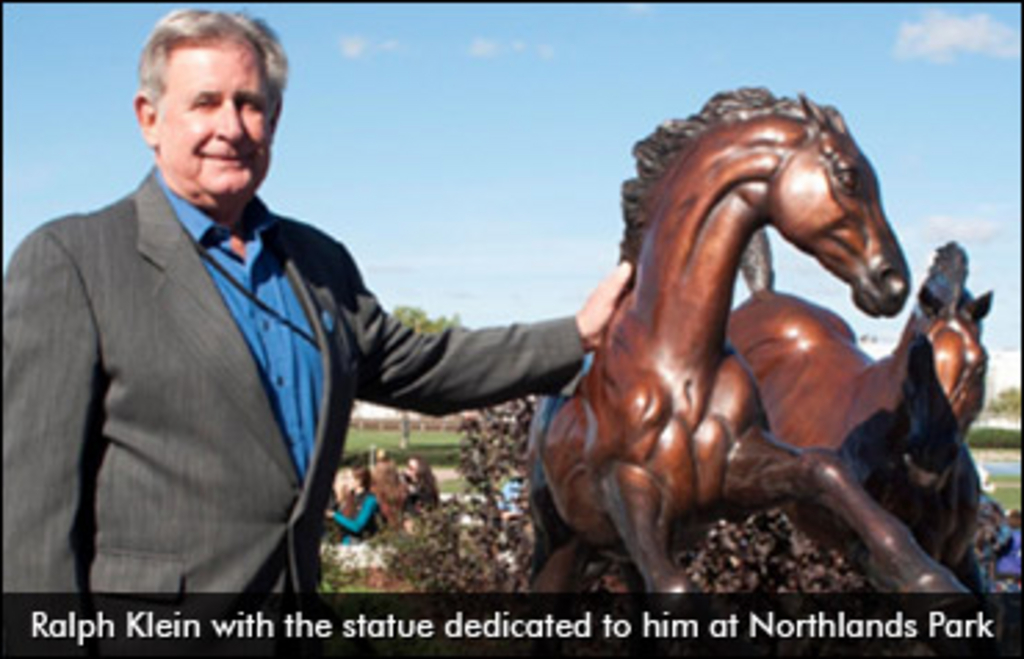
{"x":1007,"y":568}
{"x":359,"y":509}
{"x":390,"y":490}
{"x":421,"y":487}
{"x":508,"y":503}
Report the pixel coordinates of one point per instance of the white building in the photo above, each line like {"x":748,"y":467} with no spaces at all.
{"x":1003,"y":372}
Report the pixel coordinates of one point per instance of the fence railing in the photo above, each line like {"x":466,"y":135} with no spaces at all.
{"x":420,"y":424}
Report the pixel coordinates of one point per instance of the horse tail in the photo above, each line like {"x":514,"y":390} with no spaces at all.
{"x":756,"y":263}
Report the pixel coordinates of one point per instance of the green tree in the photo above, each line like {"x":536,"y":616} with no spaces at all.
{"x":418,"y":320}
{"x":1006,"y":404}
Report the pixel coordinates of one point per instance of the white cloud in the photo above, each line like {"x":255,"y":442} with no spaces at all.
{"x":639,"y":7}
{"x":484,"y":48}
{"x":940,"y":36}
{"x":941,"y":228}
{"x":353,"y":47}
{"x":357,"y":47}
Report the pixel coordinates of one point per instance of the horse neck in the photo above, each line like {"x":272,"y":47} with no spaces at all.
{"x":691,"y":255}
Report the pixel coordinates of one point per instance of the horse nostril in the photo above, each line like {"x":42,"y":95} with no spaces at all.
{"x":893,"y":283}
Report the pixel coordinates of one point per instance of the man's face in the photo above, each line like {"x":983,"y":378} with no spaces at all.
{"x":211,"y":131}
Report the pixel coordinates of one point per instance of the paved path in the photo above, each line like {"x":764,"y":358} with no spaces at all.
{"x":443,"y":474}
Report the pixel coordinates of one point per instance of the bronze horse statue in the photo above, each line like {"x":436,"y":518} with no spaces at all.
{"x":901,"y":421}
{"x":665,"y":432}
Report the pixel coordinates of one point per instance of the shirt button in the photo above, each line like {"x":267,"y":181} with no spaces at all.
{"x":280,"y":381}
{"x":266,"y":325}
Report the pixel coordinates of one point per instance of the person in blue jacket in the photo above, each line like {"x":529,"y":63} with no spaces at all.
{"x":364,"y":510}
{"x":1007,"y":567}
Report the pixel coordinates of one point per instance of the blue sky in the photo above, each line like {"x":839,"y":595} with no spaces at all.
{"x":471,"y":156}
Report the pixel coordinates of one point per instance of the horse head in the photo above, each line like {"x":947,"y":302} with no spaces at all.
{"x":951,"y":318}
{"x":824,"y":198}
{"x":934,"y":441}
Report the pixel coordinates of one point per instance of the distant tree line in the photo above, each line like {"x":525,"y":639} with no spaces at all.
{"x":418,"y":321}
{"x":1006,"y":404}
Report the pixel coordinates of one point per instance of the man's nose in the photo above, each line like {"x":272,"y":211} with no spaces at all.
{"x":229,"y":123}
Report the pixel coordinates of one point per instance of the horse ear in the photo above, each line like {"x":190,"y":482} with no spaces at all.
{"x":929,"y":302}
{"x":980,"y":307}
{"x":813,"y":112}
{"x":838,"y":123}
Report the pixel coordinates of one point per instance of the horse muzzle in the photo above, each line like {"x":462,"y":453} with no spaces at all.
{"x":883,"y":291}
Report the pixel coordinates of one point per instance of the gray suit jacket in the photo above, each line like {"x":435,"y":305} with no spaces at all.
{"x":140,"y":451}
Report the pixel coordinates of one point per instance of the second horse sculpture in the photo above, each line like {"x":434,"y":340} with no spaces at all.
{"x":820,"y":389}
{"x":666,"y":432}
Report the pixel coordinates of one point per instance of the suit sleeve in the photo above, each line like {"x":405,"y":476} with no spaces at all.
{"x":51,"y":373}
{"x":459,"y":369}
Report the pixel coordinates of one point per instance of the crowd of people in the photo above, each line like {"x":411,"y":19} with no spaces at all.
{"x":365,"y":499}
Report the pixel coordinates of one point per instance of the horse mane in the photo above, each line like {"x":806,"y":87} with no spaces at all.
{"x":947,"y":276}
{"x":655,"y":153}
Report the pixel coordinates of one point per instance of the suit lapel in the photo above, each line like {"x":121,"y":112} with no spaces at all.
{"x":194,"y":303}
{"x":335,"y":403}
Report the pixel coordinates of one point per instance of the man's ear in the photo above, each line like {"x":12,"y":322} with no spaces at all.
{"x":146,"y":114}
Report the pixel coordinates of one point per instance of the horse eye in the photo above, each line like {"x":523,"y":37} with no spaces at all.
{"x":848,"y":179}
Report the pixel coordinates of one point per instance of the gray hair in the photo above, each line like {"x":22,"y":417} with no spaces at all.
{"x":194,"y":26}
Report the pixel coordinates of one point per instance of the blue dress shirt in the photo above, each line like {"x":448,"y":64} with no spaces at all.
{"x":279,"y":335}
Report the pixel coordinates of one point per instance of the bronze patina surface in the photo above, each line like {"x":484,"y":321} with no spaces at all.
{"x":900,"y":421}
{"x":666,"y":432}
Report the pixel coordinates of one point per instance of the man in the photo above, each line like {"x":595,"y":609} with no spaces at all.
{"x":179,"y":368}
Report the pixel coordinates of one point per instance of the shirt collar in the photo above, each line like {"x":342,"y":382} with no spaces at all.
{"x":256,"y":219}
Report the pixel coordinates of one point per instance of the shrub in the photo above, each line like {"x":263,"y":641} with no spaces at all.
{"x":993,"y":438}
{"x":465,"y":545}
{"x":1006,"y":404}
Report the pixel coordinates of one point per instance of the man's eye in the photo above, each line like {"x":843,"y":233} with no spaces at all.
{"x":252,"y":104}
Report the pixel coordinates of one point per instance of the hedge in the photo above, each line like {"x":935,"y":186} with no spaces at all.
{"x":989,"y":438}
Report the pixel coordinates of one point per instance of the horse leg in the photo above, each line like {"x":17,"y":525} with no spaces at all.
{"x":557,"y":551}
{"x":637,"y":507}
{"x":560,"y":571}
{"x":969,"y":572}
{"x":762,"y":472}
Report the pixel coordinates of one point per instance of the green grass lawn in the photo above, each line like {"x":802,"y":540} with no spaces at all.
{"x":439,"y":449}
{"x":1007,"y":491}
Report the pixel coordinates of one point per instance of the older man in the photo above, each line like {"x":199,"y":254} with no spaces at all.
{"x":179,"y":367}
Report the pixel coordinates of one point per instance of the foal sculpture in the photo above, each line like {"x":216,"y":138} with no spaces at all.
{"x":900,"y":422}
{"x":665,"y":432}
